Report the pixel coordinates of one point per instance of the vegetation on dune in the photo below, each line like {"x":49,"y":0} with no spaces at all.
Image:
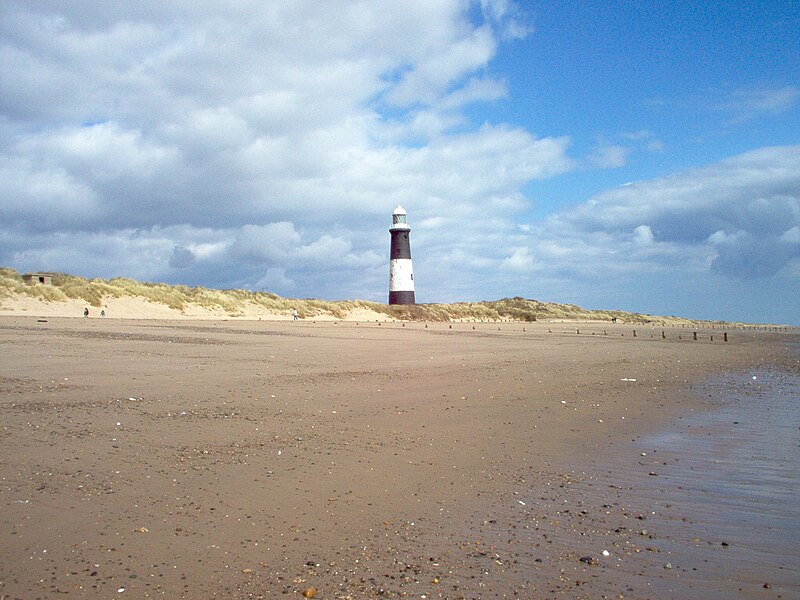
{"x":241,"y":302}
{"x":515,"y":309}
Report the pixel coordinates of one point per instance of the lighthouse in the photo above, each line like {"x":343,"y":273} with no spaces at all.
{"x":401,"y":274}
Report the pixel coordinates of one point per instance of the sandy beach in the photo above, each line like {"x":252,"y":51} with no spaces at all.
{"x":253,"y":459}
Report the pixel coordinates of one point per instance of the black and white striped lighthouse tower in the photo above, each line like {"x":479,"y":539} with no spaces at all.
{"x":401,"y":274}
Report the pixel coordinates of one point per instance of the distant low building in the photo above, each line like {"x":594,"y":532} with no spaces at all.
{"x":38,"y":278}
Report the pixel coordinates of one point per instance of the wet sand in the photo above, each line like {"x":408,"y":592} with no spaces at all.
{"x":247,"y":459}
{"x":728,"y":489}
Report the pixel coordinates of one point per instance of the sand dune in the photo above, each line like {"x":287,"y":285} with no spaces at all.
{"x":133,"y":307}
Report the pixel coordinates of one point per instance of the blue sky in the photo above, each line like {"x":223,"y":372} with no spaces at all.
{"x":642,"y":156}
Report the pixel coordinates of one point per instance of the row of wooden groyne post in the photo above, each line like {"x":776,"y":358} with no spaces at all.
{"x":663,"y":334}
{"x":696,"y":334}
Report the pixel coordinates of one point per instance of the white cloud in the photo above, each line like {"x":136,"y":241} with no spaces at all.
{"x":229,"y":116}
{"x":769,"y":100}
{"x":266,"y":244}
{"x":642,"y":134}
{"x":730,"y":217}
{"x":644,"y":139}
{"x":433,"y":223}
{"x":44,"y":196}
{"x":609,"y":157}
{"x":754,"y":189}
{"x":446,"y":64}
{"x":325,"y":251}
{"x":722,"y":237}
{"x":475,"y":90}
{"x":643,"y":235}
{"x":274,"y":278}
{"x":507,"y":17}
{"x":103,"y":151}
{"x":791,"y":236}
{"x":520,"y":261}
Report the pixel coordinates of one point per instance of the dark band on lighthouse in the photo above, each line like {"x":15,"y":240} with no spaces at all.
{"x":401,"y":247}
{"x":401,"y":273}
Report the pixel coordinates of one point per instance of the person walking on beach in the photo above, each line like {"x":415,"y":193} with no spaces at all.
{"x":294,"y":314}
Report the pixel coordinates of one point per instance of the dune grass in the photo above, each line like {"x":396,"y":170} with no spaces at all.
{"x":519,"y":310}
{"x":240,"y":302}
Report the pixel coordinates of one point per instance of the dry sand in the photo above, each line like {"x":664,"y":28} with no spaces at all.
{"x":212,"y":459}
{"x":136,"y":307}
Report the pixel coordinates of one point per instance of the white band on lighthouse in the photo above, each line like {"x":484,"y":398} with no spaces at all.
{"x":401,"y":275}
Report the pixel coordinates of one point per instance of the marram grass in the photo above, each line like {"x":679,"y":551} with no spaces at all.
{"x":237,"y":302}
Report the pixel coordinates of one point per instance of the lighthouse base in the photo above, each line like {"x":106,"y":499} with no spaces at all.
{"x":401,"y":297}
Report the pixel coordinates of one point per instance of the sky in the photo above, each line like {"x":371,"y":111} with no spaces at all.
{"x":641,"y":156}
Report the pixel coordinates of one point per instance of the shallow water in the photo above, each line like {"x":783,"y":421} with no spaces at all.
{"x":728,"y":489}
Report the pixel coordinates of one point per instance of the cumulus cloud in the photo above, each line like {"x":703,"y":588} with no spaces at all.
{"x":739,"y":217}
{"x":284,"y":130}
{"x":757,"y":189}
{"x":446,"y":63}
{"x":520,"y":260}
